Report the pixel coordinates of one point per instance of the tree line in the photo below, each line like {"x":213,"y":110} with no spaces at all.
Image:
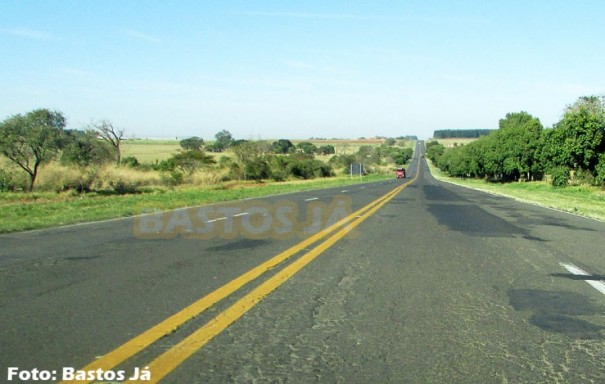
{"x":460,"y":133}
{"x":522,"y":149}
{"x":280,"y":159}
{"x":37,"y":137}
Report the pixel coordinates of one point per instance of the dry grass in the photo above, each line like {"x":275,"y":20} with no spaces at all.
{"x":110,"y":174}
{"x":207,"y":176}
{"x":56,"y":177}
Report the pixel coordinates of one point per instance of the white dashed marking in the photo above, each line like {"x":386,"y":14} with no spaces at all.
{"x":596,"y":284}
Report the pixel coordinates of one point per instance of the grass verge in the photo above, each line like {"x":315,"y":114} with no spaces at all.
{"x":26,"y":211}
{"x":581,"y":200}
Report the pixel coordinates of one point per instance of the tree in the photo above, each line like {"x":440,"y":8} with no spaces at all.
{"x":307,"y":147}
{"x":31,"y":139}
{"x":576,"y":142}
{"x":113,"y":136}
{"x":510,"y":153}
{"x":282,"y":146}
{"x":518,"y":141}
{"x":434,"y":151}
{"x":192,"y":144}
{"x":189,"y":161}
{"x":460,"y":133}
{"x":252,"y":159}
{"x":224,"y":139}
{"x":84,"y":148}
{"x":368,"y":154}
{"x":249,"y":150}
{"x":579,"y":138}
{"x":326,"y":150}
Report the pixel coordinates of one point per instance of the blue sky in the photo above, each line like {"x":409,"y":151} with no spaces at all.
{"x":297,"y":69}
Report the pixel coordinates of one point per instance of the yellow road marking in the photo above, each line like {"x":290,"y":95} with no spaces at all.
{"x":175,"y":356}
{"x":172,"y":323}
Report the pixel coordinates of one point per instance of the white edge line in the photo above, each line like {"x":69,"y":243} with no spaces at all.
{"x":596,"y":284}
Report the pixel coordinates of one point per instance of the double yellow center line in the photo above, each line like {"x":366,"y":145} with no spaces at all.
{"x":176,"y":355}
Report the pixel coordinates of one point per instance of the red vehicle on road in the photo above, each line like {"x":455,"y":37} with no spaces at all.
{"x":400,"y":172}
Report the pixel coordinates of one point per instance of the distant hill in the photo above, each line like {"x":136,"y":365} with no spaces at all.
{"x":460,"y":133}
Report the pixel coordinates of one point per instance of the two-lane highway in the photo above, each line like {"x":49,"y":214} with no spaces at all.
{"x":409,"y":282}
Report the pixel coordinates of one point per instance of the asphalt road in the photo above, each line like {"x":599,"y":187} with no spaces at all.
{"x":440,"y":284}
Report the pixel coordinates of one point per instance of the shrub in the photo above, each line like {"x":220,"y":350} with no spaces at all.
{"x":307,"y":147}
{"x":224,"y":161}
{"x":6,"y":182}
{"x":342,"y":160}
{"x":326,"y":150}
{"x":584,"y":177}
{"x":130,"y":161}
{"x":171,"y":178}
{"x":282,"y":146}
{"x":190,"y":161}
{"x":279,"y":168}
{"x":309,"y":169}
{"x":235,"y":172}
{"x":257,"y":169}
{"x":560,"y":176}
{"x":186,"y":161}
{"x":123,"y":187}
{"x":164,"y":165}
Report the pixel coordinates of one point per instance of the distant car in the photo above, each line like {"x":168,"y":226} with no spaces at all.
{"x":400,"y":172}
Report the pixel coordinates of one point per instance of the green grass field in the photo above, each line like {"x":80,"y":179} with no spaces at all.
{"x":581,"y":200}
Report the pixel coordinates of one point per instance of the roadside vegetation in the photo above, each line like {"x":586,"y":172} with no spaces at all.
{"x":572,"y":152}
{"x":562,"y":167}
{"x":583,"y":200}
{"x":51,"y":175}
